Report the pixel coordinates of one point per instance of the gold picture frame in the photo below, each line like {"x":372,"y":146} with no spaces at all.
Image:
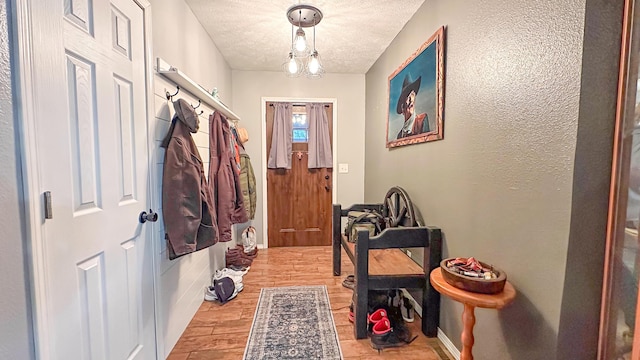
{"x":416,"y":96}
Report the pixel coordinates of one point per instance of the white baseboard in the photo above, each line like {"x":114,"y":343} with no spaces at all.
{"x":441,"y":335}
{"x":448,"y":344}
{"x":261,"y":246}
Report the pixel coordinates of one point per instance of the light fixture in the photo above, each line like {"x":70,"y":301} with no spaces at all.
{"x":303,"y":16}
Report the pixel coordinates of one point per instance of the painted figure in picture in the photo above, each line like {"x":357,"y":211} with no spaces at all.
{"x":413,"y":124}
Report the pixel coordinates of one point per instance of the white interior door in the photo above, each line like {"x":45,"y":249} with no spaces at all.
{"x":91,"y":123}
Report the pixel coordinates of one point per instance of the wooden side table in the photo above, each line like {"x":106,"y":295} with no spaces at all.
{"x":471,"y":300}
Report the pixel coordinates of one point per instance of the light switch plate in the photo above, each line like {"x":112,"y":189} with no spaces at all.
{"x":343,"y":168}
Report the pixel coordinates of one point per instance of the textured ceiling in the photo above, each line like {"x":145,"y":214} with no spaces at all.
{"x":256,"y":35}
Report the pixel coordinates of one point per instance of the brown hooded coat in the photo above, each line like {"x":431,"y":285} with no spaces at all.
{"x":188,"y":213}
{"x":224,"y":179}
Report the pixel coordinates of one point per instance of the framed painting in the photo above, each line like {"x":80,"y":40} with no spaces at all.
{"x":416,"y":98}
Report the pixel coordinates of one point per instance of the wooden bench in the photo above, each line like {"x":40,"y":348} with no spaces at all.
{"x":380,"y":264}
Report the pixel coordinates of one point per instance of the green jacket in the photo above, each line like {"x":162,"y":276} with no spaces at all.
{"x":248,"y":185}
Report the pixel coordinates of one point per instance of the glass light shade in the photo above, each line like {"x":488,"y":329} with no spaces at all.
{"x":300,"y":43}
{"x":314,"y":66}
{"x":292,"y":66}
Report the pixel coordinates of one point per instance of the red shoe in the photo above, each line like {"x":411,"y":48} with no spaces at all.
{"x":371,"y":318}
{"x":381,"y":327}
{"x":376,"y":317}
{"x":351,"y":316}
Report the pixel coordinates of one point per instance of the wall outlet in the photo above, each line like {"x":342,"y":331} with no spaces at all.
{"x":408,"y":253}
{"x":343,"y":168}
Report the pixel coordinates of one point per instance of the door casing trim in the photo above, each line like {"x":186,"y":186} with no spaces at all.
{"x":265,"y":155}
{"x":25,"y":90}
{"x":24,"y":87}
{"x":614,"y":217}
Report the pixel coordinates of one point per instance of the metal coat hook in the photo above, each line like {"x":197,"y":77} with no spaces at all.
{"x":201,"y":112}
{"x":170,"y":96}
{"x":199,"y":103}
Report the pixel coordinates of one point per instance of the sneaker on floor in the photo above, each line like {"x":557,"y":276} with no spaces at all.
{"x":237,"y":277}
{"x":406,"y":308}
{"x":209,"y":294}
{"x":229,"y":272}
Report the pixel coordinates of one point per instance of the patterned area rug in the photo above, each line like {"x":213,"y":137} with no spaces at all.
{"x":293,"y":323}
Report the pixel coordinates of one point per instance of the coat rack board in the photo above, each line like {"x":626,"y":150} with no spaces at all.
{"x":182,"y":80}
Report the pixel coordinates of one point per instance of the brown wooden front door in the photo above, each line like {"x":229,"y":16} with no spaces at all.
{"x":299,"y":199}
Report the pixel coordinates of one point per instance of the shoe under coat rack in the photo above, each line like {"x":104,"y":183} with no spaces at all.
{"x":184,"y":82}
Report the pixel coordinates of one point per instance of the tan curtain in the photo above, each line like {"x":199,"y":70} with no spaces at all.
{"x":280,"y":152}
{"x":320,"y":155}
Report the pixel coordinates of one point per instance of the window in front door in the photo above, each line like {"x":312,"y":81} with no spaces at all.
{"x":300,"y":126}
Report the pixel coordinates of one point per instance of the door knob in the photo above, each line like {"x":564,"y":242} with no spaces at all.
{"x":151,"y":217}
{"x":326,"y":187}
{"x":326,"y":177}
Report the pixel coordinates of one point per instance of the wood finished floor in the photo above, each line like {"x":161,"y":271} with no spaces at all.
{"x":221,"y":331}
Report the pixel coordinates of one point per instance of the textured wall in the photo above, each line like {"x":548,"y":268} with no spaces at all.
{"x":500,"y":183}
{"x":250,"y":86}
{"x":15,"y":323}
{"x":180,"y":40}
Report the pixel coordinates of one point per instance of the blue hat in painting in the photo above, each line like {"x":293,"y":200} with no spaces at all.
{"x":407,"y":87}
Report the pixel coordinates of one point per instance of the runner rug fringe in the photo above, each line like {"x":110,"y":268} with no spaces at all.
{"x":293,"y":323}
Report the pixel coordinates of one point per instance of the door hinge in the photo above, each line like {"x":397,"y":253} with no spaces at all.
{"x":48,"y":212}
